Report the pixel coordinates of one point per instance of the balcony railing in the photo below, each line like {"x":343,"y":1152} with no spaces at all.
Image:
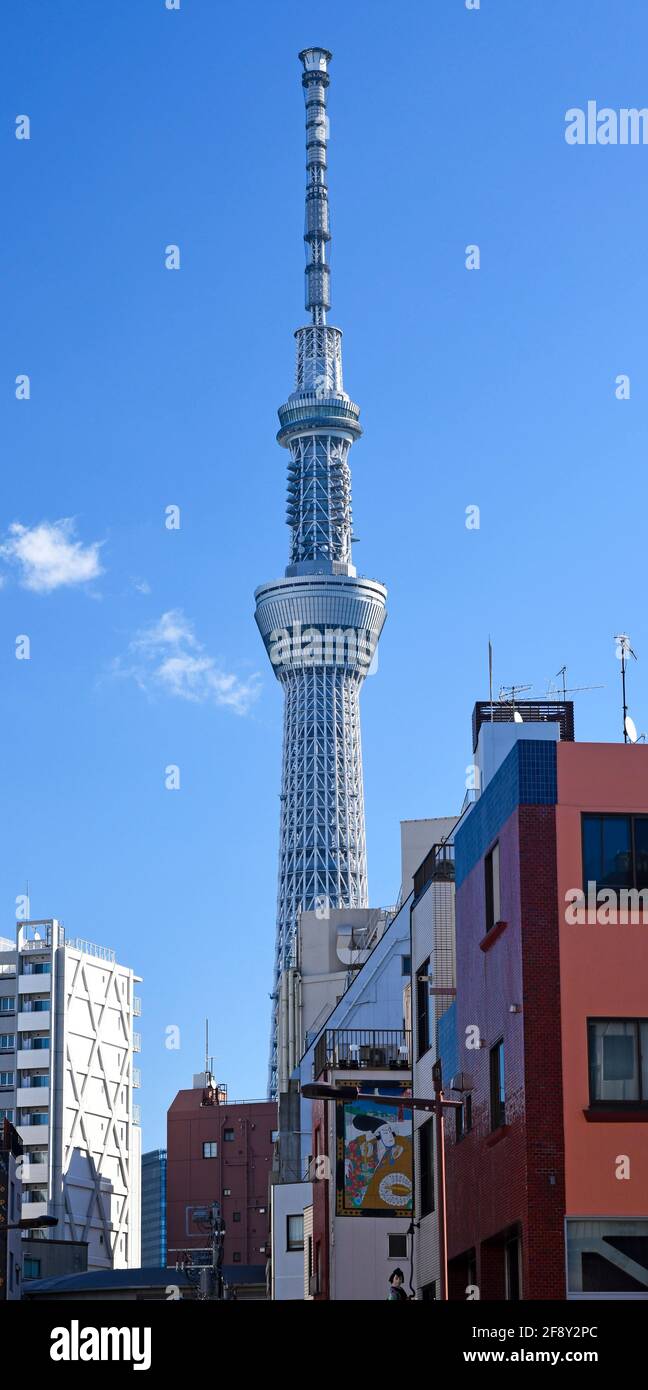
{"x":438,"y":867}
{"x":137,"y":1114}
{"x":137,"y":1076}
{"x":355,"y":1049}
{"x":137,"y":1042}
{"x":137,"y":1005}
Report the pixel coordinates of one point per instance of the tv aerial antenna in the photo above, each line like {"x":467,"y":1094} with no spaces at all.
{"x":552,"y":690}
{"x":623,"y":651}
{"x":508,"y":695}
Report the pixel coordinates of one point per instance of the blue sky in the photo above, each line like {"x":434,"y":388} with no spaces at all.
{"x":152,"y":388}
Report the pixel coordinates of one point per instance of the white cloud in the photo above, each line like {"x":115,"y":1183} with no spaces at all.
{"x":49,"y":557}
{"x":168,"y":656}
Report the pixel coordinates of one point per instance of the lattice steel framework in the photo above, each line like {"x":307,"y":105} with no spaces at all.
{"x":321,"y":622}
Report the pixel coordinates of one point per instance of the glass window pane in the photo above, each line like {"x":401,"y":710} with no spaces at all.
{"x":643,"y":1029}
{"x":641,"y":851}
{"x":592,"y":842}
{"x":617,"y":858}
{"x":613,"y":1053}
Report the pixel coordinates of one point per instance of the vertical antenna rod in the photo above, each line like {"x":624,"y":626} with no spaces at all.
{"x":315,"y":80}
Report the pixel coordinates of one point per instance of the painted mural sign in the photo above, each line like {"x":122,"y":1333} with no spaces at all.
{"x":374,"y":1153}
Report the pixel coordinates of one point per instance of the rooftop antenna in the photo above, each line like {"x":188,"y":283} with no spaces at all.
{"x":508,"y":693}
{"x":567,"y":689}
{"x":490,"y":676}
{"x":624,"y":650}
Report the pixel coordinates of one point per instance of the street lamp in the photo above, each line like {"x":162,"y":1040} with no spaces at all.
{"x":436,"y":1104}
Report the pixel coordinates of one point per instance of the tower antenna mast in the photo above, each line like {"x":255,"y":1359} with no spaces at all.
{"x":624,"y":650}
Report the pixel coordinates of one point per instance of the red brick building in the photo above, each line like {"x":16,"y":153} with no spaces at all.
{"x":219,"y":1151}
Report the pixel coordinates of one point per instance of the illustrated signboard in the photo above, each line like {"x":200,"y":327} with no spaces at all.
{"x":374,"y":1158}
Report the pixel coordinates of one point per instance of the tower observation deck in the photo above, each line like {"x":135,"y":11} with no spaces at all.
{"x":321,"y":622}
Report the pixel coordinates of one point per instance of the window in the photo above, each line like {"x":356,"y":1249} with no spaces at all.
{"x":512,"y":1268}
{"x":39,"y":1081}
{"x":618,"y":1061}
{"x":236,"y":1257}
{"x":31,"y":1267}
{"x":497,"y":1092}
{"x":210,"y":1149}
{"x":426,"y":1167}
{"x":40,"y":1044}
{"x":423,"y":1008}
{"x":8,"y":1115}
{"x":228,"y":1136}
{"x":7,"y":1042}
{"x":38,"y":1119}
{"x":406,"y":965}
{"x":492,"y":872}
{"x":397,"y":1247}
{"x":40,"y":1006}
{"x":227,"y":1191}
{"x":8,"y":1004}
{"x":606,"y":1257}
{"x":463,"y":1118}
{"x":236,"y":1216}
{"x":615,"y":851}
{"x":295,"y":1232}
{"x":7,"y":1078}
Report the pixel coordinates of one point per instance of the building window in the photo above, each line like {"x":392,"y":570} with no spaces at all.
{"x":406,"y":965}
{"x":210,"y":1149}
{"x":7,"y":1078}
{"x":236,"y":1257}
{"x":423,"y":1008}
{"x":497,"y":1092}
{"x":426,"y":1167}
{"x":397,"y":1247}
{"x":31,"y":1267}
{"x":236,"y":1216}
{"x":228,"y":1136}
{"x":8,"y":1004}
{"x":618,"y":1060}
{"x":295,"y":1232}
{"x":7,"y":1042}
{"x":8,"y":1115}
{"x":227,"y":1191}
{"x":615,"y":851}
{"x":492,"y":873}
{"x":605,"y":1257}
{"x":512,"y":1268}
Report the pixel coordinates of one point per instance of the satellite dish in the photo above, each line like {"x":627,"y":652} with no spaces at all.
{"x":631,"y":729}
{"x":517,"y":717}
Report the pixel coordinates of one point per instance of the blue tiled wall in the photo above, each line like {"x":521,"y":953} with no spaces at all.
{"x":527,"y":777}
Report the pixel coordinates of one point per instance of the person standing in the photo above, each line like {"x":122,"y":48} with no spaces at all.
{"x":397,"y":1292}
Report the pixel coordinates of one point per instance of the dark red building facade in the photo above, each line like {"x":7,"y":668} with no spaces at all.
{"x":219,"y":1151}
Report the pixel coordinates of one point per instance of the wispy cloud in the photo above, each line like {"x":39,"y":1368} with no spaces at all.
{"x":48,"y":556}
{"x":167,"y":656}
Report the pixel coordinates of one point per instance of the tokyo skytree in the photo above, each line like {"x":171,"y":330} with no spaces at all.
{"x":321,"y":622}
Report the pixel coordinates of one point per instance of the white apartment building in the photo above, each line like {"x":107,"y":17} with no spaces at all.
{"x":67,"y":1082}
